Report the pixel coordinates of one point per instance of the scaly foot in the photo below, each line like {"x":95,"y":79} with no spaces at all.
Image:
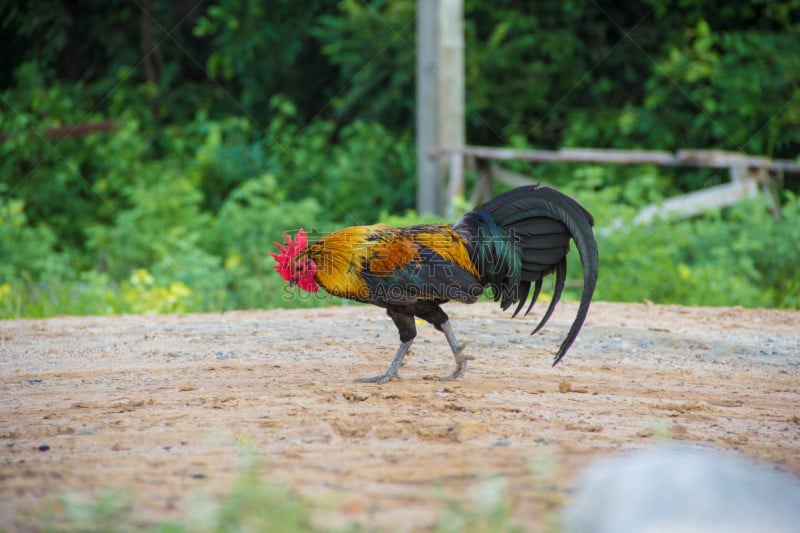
{"x":379,"y":380}
{"x":461,"y":368}
{"x":458,"y":353}
{"x":391,"y":372}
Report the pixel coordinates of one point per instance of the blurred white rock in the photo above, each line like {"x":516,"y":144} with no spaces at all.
{"x":683,"y":489}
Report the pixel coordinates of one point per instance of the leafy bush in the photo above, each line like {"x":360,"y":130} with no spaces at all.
{"x":27,"y":251}
{"x":742,"y":256}
{"x":354,"y":174}
{"x":215,"y":153}
{"x":254,"y":215}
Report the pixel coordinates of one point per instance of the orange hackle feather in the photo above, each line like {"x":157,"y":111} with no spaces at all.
{"x":339,"y":257}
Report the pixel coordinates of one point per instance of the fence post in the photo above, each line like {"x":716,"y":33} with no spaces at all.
{"x":455,"y":186}
{"x":429,"y":168}
{"x":440,"y":95}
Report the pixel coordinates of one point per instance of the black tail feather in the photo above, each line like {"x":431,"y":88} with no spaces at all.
{"x":561,"y":278}
{"x":524,"y":289}
{"x":523,"y":235}
{"x":536,"y":290}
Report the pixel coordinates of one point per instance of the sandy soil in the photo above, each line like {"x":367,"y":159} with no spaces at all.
{"x":163,"y":405}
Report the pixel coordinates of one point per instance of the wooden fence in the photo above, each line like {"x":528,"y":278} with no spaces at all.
{"x":71,"y":130}
{"x":748,"y":174}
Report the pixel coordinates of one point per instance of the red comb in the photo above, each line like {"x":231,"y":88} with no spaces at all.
{"x":289,"y":252}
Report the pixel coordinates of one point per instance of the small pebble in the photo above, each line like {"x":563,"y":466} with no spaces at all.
{"x":199,"y":475}
{"x":44,"y":448}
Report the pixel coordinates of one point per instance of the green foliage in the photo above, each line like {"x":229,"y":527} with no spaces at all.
{"x":27,"y":250}
{"x":490,"y":512}
{"x":668,"y":74}
{"x":234,"y":123}
{"x":254,"y":215}
{"x":372,"y":44}
{"x":109,"y":511}
{"x":44,"y":171}
{"x":367,"y":171}
{"x":740,"y":257}
{"x":256,"y":52}
{"x":252,"y":504}
{"x":410,"y":218}
{"x":730,"y":89}
{"x":257,"y":504}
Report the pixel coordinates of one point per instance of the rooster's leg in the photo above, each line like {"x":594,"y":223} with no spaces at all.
{"x":408,"y":330}
{"x":391,"y":372}
{"x":458,"y":353}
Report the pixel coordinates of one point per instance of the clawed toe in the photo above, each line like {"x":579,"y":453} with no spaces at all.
{"x":461,"y":368}
{"x":379,"y":380}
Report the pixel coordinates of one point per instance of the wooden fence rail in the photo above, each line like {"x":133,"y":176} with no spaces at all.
{"x":747,"y":173}
{"x":70,"y":130}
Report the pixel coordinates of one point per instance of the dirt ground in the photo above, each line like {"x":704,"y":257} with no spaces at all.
{"x":163,"y":406}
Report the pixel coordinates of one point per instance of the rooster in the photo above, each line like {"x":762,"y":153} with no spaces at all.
{"x":508,"y":244}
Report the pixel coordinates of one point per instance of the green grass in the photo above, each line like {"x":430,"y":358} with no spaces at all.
{"x":256,"y":504}
{"x":253,"y":504}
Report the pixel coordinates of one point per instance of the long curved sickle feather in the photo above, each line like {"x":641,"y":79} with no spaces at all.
{"x":536,"y":290}
{"x":561,"y":278}
{"x":525,"y":288}
{"x":587,"y":250}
